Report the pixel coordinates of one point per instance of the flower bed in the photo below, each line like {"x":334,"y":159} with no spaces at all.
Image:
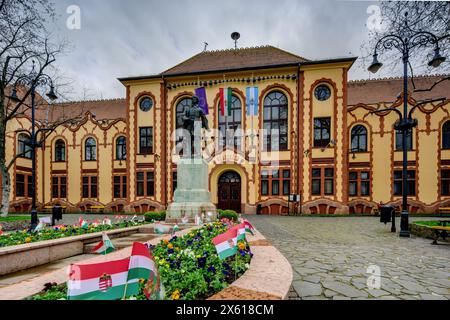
{"x":189,"y":266}
{"x":21,"y":237}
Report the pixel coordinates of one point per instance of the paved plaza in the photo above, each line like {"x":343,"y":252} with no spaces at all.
{"x":330,"y":257}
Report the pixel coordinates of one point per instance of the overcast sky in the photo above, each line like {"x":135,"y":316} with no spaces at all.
{"x":121,"y":38}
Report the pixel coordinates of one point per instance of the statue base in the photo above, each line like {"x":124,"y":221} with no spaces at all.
{"x":192,"y":196}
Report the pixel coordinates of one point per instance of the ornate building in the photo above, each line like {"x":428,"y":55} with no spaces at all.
{"x":328,"y":147}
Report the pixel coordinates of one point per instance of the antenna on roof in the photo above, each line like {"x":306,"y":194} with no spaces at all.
{"x":235,"y":36}
{"x":206,"y":45}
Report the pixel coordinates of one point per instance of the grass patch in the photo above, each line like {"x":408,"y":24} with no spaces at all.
{"x":14,"y":218}
{"x":430,"y":223}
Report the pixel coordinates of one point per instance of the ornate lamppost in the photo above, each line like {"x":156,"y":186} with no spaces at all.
{"x":403,"y":42}
{"x":32,"y":81}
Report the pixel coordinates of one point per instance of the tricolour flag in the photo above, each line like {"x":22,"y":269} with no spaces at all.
{"x":248,"y":227}
{"x":142,"y":266}
{"x":175,"y":228}
{"x":225,"y":101}
{"x":83,"y":223}
{"x":226,"y":244}
{"x":98,"y":281}
{"x":161,"y":228}
{"x":202,"y":102}
{"x":107,"y":221}
{"x":252,"y":101}
{"x":240,"y":228}
{"x":105,"y":246}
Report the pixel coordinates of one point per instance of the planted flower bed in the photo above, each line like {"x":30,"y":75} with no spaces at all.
{"x":189,"y":267}
{"x":21,"y":237}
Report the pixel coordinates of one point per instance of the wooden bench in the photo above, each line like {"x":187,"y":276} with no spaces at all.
{"x":441,"y":231}
{"x":96,"y":209}
{"x":48,"y":209}
{"x":444,"y":210}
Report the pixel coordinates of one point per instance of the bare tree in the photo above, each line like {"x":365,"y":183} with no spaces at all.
{"x":431,"y":16}
{"x":25,"y":44}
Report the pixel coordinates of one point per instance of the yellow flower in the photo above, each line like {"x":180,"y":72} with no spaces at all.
{"x":166,"y":241}
{"x":170,"y":246}
{"x":177,"y":249}
{"x":176,"y":295}
{"x":241,"y":246}
{"x":28,"y":240}
{"x":141,"y":280}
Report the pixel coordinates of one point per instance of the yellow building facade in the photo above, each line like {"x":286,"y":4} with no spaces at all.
{"x":327,"y":146}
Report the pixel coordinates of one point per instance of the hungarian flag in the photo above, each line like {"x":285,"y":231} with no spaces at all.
{"x":142,"y":266}
{"x":98,"y":281}
{"x":202,"y":102}
{"x":248,"y":227}
{"x":252,"y":101}
{"x":226,"y":244}
{"x":175,"y":229}
{"x":107,"y":221}
{"x":225,"y":101}
{"x":161,"y":228}
{"x":83,"y":223}
{"x":105,"y":246}
{"x":240,"y":228}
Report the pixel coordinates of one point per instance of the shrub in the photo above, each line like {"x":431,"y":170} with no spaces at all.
{"x":155,"y":216}
{"x":230,"y":214}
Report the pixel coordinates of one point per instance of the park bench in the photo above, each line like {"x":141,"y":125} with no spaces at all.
{"x":441,"y":231}
{"x":96,"y":209}
{"x":48,"y":209}
{"x":443,"y":210}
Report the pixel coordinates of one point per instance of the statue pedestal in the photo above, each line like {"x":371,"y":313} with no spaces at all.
{"x":191,"y":196}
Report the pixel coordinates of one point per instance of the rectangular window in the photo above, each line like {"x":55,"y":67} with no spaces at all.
{"x":322,"y":132}
{"x":359,"y":183}
{"x":90,"y":186}
{"x":146,"y":140}
{"x":353,"y":184}
{"x":145,"y":184}
{"x":365,"y":183}
{"x":316,"y":182}
{"x":20,"y":185}
{"x":59,"y":187}
{"x":286,"y":182}
{"x":399,"y":140}
{"x":120,"y":187}
{"x":150,"y":184}
{"x":329,"y":181}
{"x":140,"y":184}
{"x":264,"y":183}
{"x":411,"y":183}
{"x":445,"y":182}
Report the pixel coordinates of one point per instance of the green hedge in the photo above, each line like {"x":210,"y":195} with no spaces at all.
{"x":155,"y":216}
{"x":230,"y":214}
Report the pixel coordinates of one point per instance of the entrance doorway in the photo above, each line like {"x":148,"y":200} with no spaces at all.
{"x":230,"y":191}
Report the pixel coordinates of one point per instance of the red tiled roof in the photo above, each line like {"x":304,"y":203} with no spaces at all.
{"x":235,"y":59}
{"x":387,"y":90}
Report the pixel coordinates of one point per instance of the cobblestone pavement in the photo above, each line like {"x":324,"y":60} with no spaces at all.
{"x":330,"y":257}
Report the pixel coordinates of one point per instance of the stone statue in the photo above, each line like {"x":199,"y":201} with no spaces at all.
{"x":191,"y":115}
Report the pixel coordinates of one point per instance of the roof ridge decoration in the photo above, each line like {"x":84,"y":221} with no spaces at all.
{"x":91,"y":100}
{"x":421,"y":76}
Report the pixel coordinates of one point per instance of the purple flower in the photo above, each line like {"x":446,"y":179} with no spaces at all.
{"x":226,"y":265}
{"x":201,"y":262}
{"x":170,"y":251}
{"x":225,"y":272}
{"x":212,"y":269}
{"x":173,"y":239}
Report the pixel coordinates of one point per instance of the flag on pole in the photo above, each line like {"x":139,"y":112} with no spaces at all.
{"x":105,"y":246}
{"x":248,"y":227}
{"x":161,"y":228}
{"x":240,"y":228}
{"x":252,"y":101}
{"x":98,"y":281}
{"x":83,"y":223}
{"x":175,"y":229}
{"x":142,"y":266}
{"x":226,"y":244}
{"x":107,"y":221}
{"x":202,"y":101}
{"x":225,"y":101}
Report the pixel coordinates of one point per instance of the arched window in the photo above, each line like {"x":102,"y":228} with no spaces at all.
{"x":359,"y":139}
{"x":90,"y":147}
{"x":121,"y":148}
{"x":60,"y":151}
{"x":446,"y":135}
{"x":180,"y":108}
{"x":233,"y":123}
{"x":276,"y":121}
{"x":24,"y":148}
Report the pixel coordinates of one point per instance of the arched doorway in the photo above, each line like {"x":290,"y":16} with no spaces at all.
{"x":229,"y":191}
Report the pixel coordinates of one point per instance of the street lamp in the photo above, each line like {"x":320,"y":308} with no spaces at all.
{"x":404,"y":42}
{"x":33,"y":80}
